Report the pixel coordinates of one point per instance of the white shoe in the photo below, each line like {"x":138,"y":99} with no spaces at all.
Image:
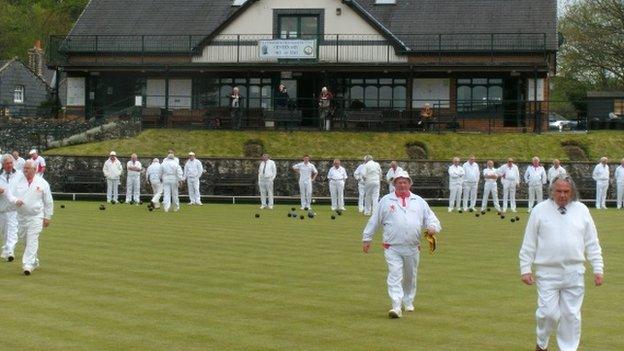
{"x":262,"y":207}
{"x":333,"y":209}
{"x":302,"y":209}
{"x":450,"y":210}
{"x":270,"y":207}
{"x":395,"y":313}
{"x":360,"y":210}
{"x":409,"y":308}
{"x":191,"y":203}
{"x":199,"y":204}
{"x":343,"y":209}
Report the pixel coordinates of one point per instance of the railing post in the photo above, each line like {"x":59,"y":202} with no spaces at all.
{"x":337,"y":50}
{"x":388,"y":52}
{"x":492,"y":47}
{"x":238,"y":48}
{"x":142,"y":48}
{"x":439,"y":48}
{"x":96,"y":49}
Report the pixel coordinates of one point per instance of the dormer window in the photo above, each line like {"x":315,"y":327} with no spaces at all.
{"x":238,"y":2}
{"x":385,"y":2}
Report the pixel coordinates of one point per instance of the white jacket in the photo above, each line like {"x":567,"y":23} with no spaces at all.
{"x":5,"y":184}
{"x":555,"y":172}
{"x":36,"y":197}
{"x":154,"y":173}
{"x":193,"y":169}
{"x":171,"y":171}
{"x":456,"y":175}
{"x":270,"y":171}
{"x":136,"y":164}
{"x":471,"y":172}
{"x":339,"y":174}
{"x":359,"y":174}
{"x":509,"y":174}
{"x":391,"y":173}
{"x":601,"y":173}
{"x":112,"y":170}
{"x":535,"y":176}
{"x":372,"y":172}
{"x":619,"y":175}
{"x":401,"y":225}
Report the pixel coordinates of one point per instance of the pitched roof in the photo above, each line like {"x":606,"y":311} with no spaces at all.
{"x":5,"y":63}
{"x":413,"y":24}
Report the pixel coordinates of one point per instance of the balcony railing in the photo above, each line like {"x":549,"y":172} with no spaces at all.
{"x":334,"y":48}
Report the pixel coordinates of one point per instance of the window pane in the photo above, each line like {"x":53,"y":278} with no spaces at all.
{"x":479,"y":96}
{"x":385,"y":96}
{"x":399,"y":81}
{"x":496,"y":81}
{"x":357,"y":92}
{"x":399,"y":96}
{"x":266,"y":96}
{"x":309,"y":25}
{"x":254,"y":96}
{"x":464,"y":95}
{"x":495,"y":93}
{"x":224,"y":95}
{"x":371,"y":98}
{"x":240,"y":81}
{"x":357,"y":81}
{"x":479,"y":81}
{"x":463,"y":81}
{"x":385,"y":81}
{"x":371,"y":81}
{"x":288,"y":27}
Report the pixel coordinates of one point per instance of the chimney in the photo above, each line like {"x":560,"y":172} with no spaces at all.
{"x":35,"y":58}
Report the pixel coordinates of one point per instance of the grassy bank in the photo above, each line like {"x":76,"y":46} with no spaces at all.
{"x":352,"y":145}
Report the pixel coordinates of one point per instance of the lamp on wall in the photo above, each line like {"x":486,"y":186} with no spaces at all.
{"x":338,"y":11}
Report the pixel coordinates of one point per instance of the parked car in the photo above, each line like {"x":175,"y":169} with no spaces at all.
{"x":558,"y":122}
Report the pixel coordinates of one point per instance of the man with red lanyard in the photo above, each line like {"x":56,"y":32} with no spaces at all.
{"x":403,"y":216}
{"x":39,"y":162}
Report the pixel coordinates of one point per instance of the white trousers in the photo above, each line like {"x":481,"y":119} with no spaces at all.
{"x":361,"y":196}
{"x":559,"y":301}
{"x":470,"y":194}
{"x":29,"y":228}
{"x":305,"y":189}
{"x":402,"y":272}
{"x":601,"y":193}
{"x":112,"y":190}
{"x":509,"y":192}
{"x":371,"y":199}
{"x":266,"y":191}
{"x":157,"y":190}
{"x":133,"y":188}
{"x":8,"y":228}
{"x":535,"y":195}
{"x":455,"y":196}
{"x":490,"y":188}
{"x":336,"y":191}
{"x":170,"y":195}
{"x":620,"y":194}
{"x":193,"y":190}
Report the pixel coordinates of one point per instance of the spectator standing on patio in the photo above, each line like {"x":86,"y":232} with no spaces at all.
{"x":325,"y":101}
{"x":281,"y":98}
{"x":236,"y":104}
{"x":426,"y":117}
{"x":601,"y":176}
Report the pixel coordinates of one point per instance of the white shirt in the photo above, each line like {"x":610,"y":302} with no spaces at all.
{"x":40,"y":162}
{"x":337,"y":174}
{"x":36,"y":197}
{"x":359,"y":174}
{"x":557,"y":243}
{"x":510,"y":174}
{"x":555,"y":172}
{"x":171,"y":171}
{"x":401,"y":225}
{"x":391,"y":173}
{"x":471,"y":172}
{"x":154,"y":173}
{"x":193,"y":169}
{"x":18,"y":164}
{"x":135,"y":164}
{"x":5,"y":183}
{"x":305,"y":171}
{"x":267,"y":170}
{"x":112,"y":170}
{"x":601,"y":172}
{"x":456,"y":174}
{"x":619,"y":174}
{"x":535,"y":176}
{"x":490,"y":172}
{"x":372,"y":172}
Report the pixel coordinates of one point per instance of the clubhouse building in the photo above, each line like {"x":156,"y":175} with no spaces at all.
{"x":482,"y":64}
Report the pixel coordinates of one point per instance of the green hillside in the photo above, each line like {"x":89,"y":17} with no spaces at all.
{"x":353,"y":145}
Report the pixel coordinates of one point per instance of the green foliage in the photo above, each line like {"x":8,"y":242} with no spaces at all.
{"x":216,"y":278}
{"x":23,"y":22}
{"x":353,"y":145}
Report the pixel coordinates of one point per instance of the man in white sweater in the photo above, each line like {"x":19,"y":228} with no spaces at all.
{"x":394,"y":169}
{"x":510,"y":178}
{"x":133,"y":180}
{"x":601,"y":176}
{"x":555,"y":171}
{"x":535,"y":177}
{"x":153,"y":175}
{"x":372,"y":179}
{"x":403,"y":217}
{"x":267,"y":171}
{"x":193,"y":170}
{"x":337,"y":176}
{"x":619,"y":182}
{"x":560,"y":236}
{"x":471,"y":183}
{"x":307,"y":174}
{"x":490,"y":186}
{"x":172,"y":176}
{"x":456,"y":181}
{"x":8,"y":215}
{"x":34,"y":203}
{"x":359,"y":177}
{"x":112,"y":171}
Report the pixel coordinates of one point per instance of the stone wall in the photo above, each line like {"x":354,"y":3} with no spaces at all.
{"x":286,"y":181}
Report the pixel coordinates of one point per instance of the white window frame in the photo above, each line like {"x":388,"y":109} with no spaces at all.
{"x":385,"y":2}
{"x":18,"y":94}
{"x":238,"y":2}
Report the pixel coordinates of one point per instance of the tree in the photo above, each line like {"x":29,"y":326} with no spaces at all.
{"x":593,"y":32}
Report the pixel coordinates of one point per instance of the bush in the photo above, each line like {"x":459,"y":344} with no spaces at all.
{"x":416,"y":150}
{"x":253,"y":148}
{"x":575,"y":150}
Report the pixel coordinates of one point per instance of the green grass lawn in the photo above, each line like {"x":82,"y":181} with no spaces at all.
{"x":353,"y":145}
{"x":216,"y":278}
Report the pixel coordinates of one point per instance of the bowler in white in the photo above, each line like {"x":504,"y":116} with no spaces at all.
{"x":560,"y":236}
{"x":601,"y":176}
{"x":372,"y":180}
{"x":394,"y":169}
{"x":510,"y":178}
{"x":267,"y":171}
{"x":153,"y":176}
{"x":535,"y":177}
{"x":8,"y":214}
{"x":32,"y":196}
{"x":456,"y":180}
{"x":133,"y":180}
{"x":172,"y":176}
{"x":490,"y":186}
{"x":193,"y":170}
{"x":337,"y":176}
{"x":471,"y":183}
{"x":619,"y":182}
{"x":555,"y":171}
{"x":112,"y":171}
{"x":307,"y":174}
{"x":358,"y":174}
{"x":403,"y":217}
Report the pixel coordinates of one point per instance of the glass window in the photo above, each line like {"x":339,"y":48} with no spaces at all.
{"x":357,"y":81}
{"x":371,"y":81}
{"x":479,"y":81}
{"x":254,"y":80}
{"x":18,"y":94}
{"x":618,"y":107}
{"x":288,"y":27}
{"x":385,"y":81}
{"x":400,"y":81}
{"x":385,"y":96}
{"x":309,"y":26}
{"x":463,"y":81}
{"x":240,"y":81}
{"x":254,"y":96}
{"x":399,"y":97}
{"x":495,"y":93}
{"x":224,"y":93}
{"x":464,"y":98}
{"x":371,"y":97}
